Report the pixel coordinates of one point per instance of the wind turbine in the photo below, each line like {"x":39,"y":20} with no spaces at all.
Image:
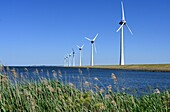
{"x":73,"y":58}
{"x":69,"y":59}
{"x":80,"y":49}
{"x":65,"y":61}
{"x":92,"y":47}
{"x":122,"y":23}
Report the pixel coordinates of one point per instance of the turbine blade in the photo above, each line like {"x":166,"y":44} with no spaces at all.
{"x":95,"y":37}
{"x":72,"y":49}
{"x":120,"y":27}
{"x":123,"y":14}
{"x":82,"y":46}
{"x":129,"y":29}
{"x":95,"y":48}
{"x":88,"y":39}
{"x":78,"y":46}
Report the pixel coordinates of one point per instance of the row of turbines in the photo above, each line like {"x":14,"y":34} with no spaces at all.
{"x":69,"y":60}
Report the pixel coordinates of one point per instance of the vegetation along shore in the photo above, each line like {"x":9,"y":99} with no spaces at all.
{"x":47,"y":95}
{"x":53,"y":95}
{"x":142,"y":67}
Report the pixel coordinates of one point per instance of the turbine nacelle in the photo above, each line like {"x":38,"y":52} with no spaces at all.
{"x":73,"y":51}
{"x":92,"y":41}
{"x":122,"y":22}
{"x":69,"y":55}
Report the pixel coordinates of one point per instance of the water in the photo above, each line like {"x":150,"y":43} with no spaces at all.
{"x":132,"y":82}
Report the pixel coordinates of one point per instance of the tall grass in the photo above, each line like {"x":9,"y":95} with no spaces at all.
{"x":52,"y":95}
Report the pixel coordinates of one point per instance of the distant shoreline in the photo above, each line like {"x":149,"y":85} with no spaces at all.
{"x":142,"y":67}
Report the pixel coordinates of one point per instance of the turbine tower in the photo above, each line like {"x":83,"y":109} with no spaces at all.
{"x":122,"y":23}
{"x":80,"y":49}
{"x":92,"y":47}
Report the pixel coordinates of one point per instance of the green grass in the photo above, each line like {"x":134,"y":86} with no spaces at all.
{"x":143,"y":67}
{"x":53,"y":96}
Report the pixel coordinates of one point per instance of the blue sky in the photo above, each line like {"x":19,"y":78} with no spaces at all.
{"x":42,"y":32}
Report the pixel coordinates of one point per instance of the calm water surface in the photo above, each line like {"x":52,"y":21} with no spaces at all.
{"x":132,"y":82}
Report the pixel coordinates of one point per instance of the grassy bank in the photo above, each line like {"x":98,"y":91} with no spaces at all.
{"x":144,"y":67}
{"x":47,"y":95}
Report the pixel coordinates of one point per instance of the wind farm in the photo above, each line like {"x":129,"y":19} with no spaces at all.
{"x":93,"y":46}
{"x":49,"y":61}
{"x":64,"y":28}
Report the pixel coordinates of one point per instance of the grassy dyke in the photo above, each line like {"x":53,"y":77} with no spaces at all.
{"x":142,"y":67}
{"x":47,"y":95}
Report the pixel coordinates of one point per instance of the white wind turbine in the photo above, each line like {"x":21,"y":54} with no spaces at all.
{"x":73,"y":58}
{"x":92,"y":47}
{"x":65,"y":61}
{"x":69,"y":59}
{"x":122,"y":23}
{"x":80,"y":49}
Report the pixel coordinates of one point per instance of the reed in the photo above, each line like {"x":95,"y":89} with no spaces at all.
{"x":53,"y":95}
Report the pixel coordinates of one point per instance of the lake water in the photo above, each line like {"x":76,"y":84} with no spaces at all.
{"x":132,"y":82}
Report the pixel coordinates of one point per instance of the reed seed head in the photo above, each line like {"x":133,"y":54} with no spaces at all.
{"x":107,"y":96}
{"x":14,"y":72}
{"x":3,"y":78}
{"x":54,"y":73}
{"x":36,"y":71}
{"x":114,"y":77}
{"x":156,"y":91}
{"x":109,"y":87}
{"x":71,"y":85}
{"x":42,"y":71}
{"x":100,"y":106}
{"x":96,"y":87}
{"x":59,"y":73}
{"x":87,"y":83}
{"x":80,"y":71}
{"x":96,"y":79}
{"x":39,"y":89}
{"x":50,"y":88}
{"x":101,"y":91}
{"x":48,"y":74}
{"x":133,"y":101}
{"x":44,"y":81}
{"x":25,"y":69}
{"x":114,"y":103}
